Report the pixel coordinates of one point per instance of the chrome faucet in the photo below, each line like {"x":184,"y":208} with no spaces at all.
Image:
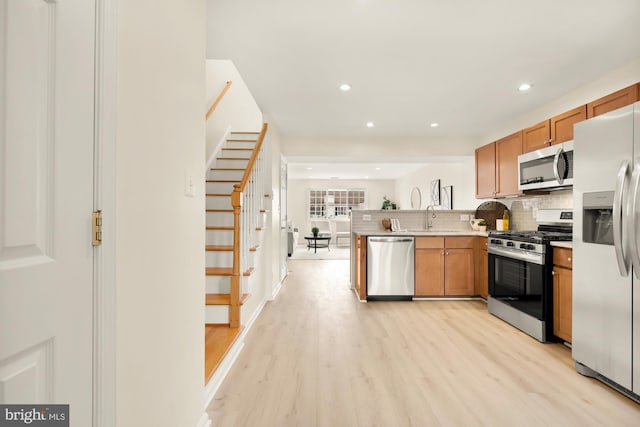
{"x":429,"y":223}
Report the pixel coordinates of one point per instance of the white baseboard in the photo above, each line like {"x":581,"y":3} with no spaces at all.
{"x":204,"y":421}
{"x":277,"y":289}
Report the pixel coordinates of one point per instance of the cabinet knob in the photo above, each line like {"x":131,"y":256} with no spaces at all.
{"x":442,"y":253}
{"x":446,"y":253}
{"x":553,"y":273}
{"x":569,"y":259}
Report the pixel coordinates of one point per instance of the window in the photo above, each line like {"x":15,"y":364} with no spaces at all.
{"x":328,"y":203}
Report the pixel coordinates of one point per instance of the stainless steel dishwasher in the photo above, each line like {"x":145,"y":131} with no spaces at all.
{"x":390,"y":268}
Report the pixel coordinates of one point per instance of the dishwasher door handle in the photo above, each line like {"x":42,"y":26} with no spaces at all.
{"x":391,"y":239}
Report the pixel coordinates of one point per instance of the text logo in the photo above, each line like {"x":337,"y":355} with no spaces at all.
{"x":34,"y":415}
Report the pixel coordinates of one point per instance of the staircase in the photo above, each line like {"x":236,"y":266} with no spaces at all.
{"x":235,"y":218}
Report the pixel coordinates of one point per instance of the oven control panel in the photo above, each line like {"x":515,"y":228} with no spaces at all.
{"x":517,"y":245}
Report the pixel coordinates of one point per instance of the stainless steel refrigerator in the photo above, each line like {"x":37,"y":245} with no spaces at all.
{"x":606,"y":249}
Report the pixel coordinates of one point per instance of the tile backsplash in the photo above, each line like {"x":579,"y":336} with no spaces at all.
{"x":523,"y":209}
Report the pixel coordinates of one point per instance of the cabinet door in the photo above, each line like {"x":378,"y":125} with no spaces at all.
{"x":562,"y":299}
{"x":507,"y":151}
{"x":429,"y":272}
{"x":562,"y":125}
{"x":486,"y":171}
{"x":536,"y":137}
{"x":613,"y":101}
{"x":361,"y":267}
{"x":458,"y":267}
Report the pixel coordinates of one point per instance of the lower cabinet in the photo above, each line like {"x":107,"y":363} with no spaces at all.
{"x":562,"y":293}
{"x":444,"y":266}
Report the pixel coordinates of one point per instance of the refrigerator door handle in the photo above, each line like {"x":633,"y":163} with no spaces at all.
{"x":556,"y":159}
{"x":619,"y":239}
{"x":631,"y":218}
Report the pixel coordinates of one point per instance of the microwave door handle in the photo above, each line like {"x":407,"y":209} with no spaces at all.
{"x":619,"y":238}
{"x":556,"y":160}
{"x":631,"y":218}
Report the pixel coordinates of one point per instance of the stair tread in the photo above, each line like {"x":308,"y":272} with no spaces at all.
{"x":260,"y":228}
{"x":245,"y":133}
{"x":218,"y":248}
{"x":264,"y":211}
{"x":219,"y":210}
{"x":249,"y":272}
{"x":237,"y":149}
{"x":223,"y":299}
{"x":218,"y":195}
{"x":223,"y":180}
{"x":242,"y":140}
{"x":232,"y":158}
{"x":227,"y":169}
{"x":254,"y":248}
{"x":219,"y":227}
{"x":218,"y":271}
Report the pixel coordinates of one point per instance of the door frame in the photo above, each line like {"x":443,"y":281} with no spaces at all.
{"x":104,"y":256}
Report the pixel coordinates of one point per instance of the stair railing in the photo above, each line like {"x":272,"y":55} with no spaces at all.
{"x":218,"y":99}
{"x":246,"y":202}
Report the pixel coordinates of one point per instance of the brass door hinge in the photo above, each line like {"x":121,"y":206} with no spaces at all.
{"x":96,"y":221}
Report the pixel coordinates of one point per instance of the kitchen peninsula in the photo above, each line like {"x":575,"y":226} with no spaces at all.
{"x":450,"y":257}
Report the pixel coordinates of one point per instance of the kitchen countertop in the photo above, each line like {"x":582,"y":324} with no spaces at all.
{"x":419,"y":233}
{"x":568,"y":245}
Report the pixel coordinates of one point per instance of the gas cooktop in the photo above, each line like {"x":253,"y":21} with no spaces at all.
{"x":536,"y":236}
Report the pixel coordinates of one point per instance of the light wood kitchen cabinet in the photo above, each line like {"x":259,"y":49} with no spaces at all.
{"x":555,"y":130}
{"x":536,"y":136}
{"x":360,"y":266}
{"x":482,"y":268}
{"x":444,"y":266}
{"x":562,"y":124}
{"x":507,"y":151}
{"x":613,"y":101}
{"x":486,"y":171}
{"x":497,"y":167}
{"x":562,"y":293}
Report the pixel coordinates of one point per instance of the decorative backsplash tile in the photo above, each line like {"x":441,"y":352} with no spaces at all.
{"x":523,"y":209}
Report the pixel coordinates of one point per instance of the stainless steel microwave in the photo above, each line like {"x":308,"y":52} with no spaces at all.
{"x":550,"y":168}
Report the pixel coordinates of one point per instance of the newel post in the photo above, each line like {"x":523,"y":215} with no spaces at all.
{"x":236,"y":287}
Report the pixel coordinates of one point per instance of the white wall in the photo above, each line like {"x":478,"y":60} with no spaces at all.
{"x":237,"y":111}
{"x":298,"y":203}
{"x":460,"y":174}
{"x":160,"y":261}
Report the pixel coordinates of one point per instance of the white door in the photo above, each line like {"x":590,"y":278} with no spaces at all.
{"x":46,"y":199}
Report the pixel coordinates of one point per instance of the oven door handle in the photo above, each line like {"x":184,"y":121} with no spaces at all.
{"x":619,"y":218}
{"x":516,"y":254}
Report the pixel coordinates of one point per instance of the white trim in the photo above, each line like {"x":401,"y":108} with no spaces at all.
{"x":218,"y":147}
{"x":104,"y":330}
{"x":204,"y":421}
{"x":225,"y":366}
{"x":277,"y":289}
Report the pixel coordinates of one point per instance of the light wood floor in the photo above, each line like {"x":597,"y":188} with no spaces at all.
{"x":317,"y":357}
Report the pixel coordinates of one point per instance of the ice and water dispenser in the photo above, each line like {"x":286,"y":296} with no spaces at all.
{"x":597,"y":225}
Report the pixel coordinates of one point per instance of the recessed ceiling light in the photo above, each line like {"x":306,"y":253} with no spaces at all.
{"x":377,"y":169}
{"x":434,"y":125}
{"x":524,"y":87}
{"x":366,"y":177}
{"x":309,"y":169}
{"x":370,"y":124}
{"x":345,"y":87}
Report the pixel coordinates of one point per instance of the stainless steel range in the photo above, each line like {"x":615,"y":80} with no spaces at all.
{"x":520,"y":267}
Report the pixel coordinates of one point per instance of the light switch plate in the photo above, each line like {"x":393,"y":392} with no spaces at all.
{"x":464,"y":217}
{"x":366,"y":217}
{"x":189,"y":185}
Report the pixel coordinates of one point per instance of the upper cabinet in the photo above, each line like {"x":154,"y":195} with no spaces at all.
{"x":611,"y":102}
{"x":486,"y":171}
{"x":507,"y":151}
{"x":497,"y":167}
{"x":552,"y":131}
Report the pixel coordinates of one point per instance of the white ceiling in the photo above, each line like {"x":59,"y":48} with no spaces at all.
{"x":413,"y":62}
